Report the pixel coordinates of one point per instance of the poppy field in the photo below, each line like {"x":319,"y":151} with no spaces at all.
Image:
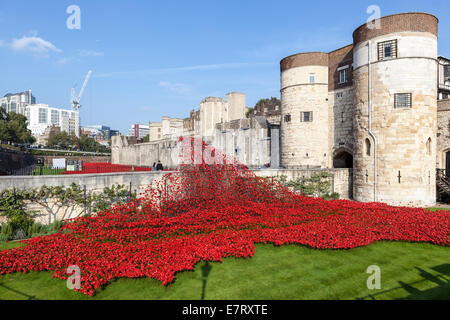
{"x":209,"y":212}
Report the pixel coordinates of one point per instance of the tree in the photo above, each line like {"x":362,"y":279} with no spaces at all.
{"x":17,"y":126}
{"x":5,"y":135}
{"x":264,"y":104}
{"x":13,"y":128}
{"x":146,"y":138}
{"x":272,"y":102}
{"x":86,"y":143}
{"x":63,"y":140}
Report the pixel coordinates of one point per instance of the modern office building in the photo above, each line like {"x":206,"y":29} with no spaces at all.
{"x":16,"y":102}
{"x":41,"y":116}
{"x":94,"y":131}
{"x":138,"y":130}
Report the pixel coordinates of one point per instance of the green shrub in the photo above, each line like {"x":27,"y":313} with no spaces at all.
{"x":19,"y":234}
{"x":53,"y":227}
{"x":317,"y":185}
{"x":332,"y":196}
{"x":12,"y":207}
{"x":6,"y":232}
{"x":34,"y":230}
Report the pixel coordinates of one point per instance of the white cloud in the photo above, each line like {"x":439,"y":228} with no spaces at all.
{"x":33,"y":44}
{"x":186,"y":68}
{"x":179,"y":88}
{"x":63,"y":61}
{"x":88,"y":53}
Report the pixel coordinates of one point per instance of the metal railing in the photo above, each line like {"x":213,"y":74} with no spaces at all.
{"x":35,"y":170}
{"x":444,"y":86}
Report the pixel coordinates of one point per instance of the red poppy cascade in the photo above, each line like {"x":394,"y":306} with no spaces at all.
{"x":210,"y":212}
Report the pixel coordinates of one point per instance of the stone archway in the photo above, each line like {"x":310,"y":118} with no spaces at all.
{"x":442,"y":162}
{"x":343,"y":158}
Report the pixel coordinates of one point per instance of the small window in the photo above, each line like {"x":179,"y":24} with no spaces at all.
{"x":277,"y":108}
{"x":428,"y":145}
{"x":306,"y":116}
{"x":287,"y":118}
{"x":343,"y":76}
{"x":403,"y":100}
{"x":368,"y":147}
{"x":387,"y":50}
{"x":447,"y":72}
{"x":312,"y":78}
{"x":339,"y":95}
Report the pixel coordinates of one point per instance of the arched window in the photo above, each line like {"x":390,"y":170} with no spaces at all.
{"x":368,"y":147}
{"x":428,"y":146}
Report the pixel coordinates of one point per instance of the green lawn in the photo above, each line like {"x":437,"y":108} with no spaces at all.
{"x":47,"y":171}
{"x":438,"y":209}
{"x":408,"y":271}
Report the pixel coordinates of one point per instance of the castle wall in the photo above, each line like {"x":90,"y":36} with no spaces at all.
{"x":246,"y":140}
{"x":155,"y":131}
{"x":341,"y":124}
{"x":304,"y":144}
{"x":341,"y":178}
{"x":443,"y":133}
{"x":145,"y":154}
{"x":216,"y":110}
{"x":405,"y":173}
{"x":139,"y":182}
{"x":236,"y":106}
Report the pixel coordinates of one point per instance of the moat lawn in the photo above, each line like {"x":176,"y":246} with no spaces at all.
{"x":408,"y":271}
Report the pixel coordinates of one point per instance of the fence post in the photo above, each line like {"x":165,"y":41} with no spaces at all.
{"x":130,"y":192}
{"x":332,"y":177}
{"x":85,"y":200}
{"x":165,"y":188}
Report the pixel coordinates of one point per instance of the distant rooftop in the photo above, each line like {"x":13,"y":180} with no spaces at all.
{"x":15,"y":94}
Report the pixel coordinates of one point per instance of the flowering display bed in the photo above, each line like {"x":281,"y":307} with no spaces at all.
{"x":208,"y":212}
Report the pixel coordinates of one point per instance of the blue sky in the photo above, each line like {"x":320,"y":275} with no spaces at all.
{"x":154,"y":58}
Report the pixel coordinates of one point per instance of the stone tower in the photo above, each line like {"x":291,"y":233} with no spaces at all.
{"x":304,"y":111}
{"x":395,"y":110}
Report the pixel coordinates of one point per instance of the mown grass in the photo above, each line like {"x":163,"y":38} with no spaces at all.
{"x":408,"y":271}
{"x":438,"y":209}
{"x":44,"y":171}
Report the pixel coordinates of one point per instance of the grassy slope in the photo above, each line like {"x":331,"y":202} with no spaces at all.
{"x":408,"y":270}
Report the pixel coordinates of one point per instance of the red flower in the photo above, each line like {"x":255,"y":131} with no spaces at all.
{"x":209,"y":212}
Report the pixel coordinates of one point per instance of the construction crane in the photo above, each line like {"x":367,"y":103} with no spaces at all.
{"x":75,"y":102}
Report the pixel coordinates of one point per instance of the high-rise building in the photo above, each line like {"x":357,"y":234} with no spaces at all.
{"x":41,"y":116}
{"x":16,"y":102}
{"x":138,"y":130}
{"x":105,"y":131}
